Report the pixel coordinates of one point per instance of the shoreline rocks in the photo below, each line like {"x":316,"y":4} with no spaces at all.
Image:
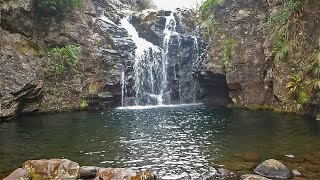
{"x":66,"y":169}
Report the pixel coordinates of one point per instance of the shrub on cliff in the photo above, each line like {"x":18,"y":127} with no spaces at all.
{"x":60,"y":6}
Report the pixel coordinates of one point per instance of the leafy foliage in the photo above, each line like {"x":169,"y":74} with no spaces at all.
{"x":60,"y":5}
{"x":298,"y":91}
{"x":210,"y":25}
{"x":228,"y":49}
{"x":280,"y":48}
{"x":284,"y":15}
{"x":64,"y":57}
{"x":207,"y":5}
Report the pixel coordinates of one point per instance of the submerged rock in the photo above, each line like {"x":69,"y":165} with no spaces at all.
{"x":253,"y":177}
{"x":19,"y":173}
{"x":52,"y":169}
{"x":296,"y":173}
{"x":122,"y":173}
{"x":273,"y":169}
{"x":250,"y":156}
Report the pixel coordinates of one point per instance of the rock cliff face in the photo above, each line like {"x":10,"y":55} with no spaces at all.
{"x":29,"y":82}
{"x":239,"y":65}
{"x":242,"y":48}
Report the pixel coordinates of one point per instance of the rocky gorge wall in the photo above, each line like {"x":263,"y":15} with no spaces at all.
{"x":42,"y":72}
{"x":239,"y":65}
{"x":244,"y":50}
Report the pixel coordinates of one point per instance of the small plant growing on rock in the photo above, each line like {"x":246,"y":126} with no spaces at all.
{"x":59,"y":5}
{"x":298,"y":91}
{"x":65,"y":57}
{"x":228,"y":49}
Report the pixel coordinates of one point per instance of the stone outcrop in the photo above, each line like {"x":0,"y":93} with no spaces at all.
{"x":240,"y":48}
{"x":21,"y":77}
{"x":65,"y":169}
{"x":122,"y":173}
{"x":52,"y":169}
{"x":19,"y":173}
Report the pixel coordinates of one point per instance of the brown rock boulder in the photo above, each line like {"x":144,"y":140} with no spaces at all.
{"x":123,"y":174}
{"x":52,"y":169}
{"x":18,"y":174}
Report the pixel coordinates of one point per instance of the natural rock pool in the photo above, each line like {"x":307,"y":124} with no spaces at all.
{"x":173,"y":141}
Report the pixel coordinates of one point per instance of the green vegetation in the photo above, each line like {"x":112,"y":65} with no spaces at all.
{"x":228,"y":49}
{"x":298,"y":91}
{"x":207,"y":5}
{"x":64,"y":57}
{"x":60,"y":5}
{"x":211,"y":25}
{"x":280,"y":48}
{"x":84,"y":105}
{"x":285,"y":14}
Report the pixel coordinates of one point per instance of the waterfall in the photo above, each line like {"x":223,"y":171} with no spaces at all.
{"x":123,"y":86}
{"x":149,"y":69}
{"x":158,"y":72}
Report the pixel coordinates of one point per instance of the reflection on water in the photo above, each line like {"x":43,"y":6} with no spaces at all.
{"x":173,"y":142}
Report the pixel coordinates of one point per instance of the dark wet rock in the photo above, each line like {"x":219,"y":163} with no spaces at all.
{"x":18,"y":174}
{"x":52,"y":169}
{"x":223,"y":173}
{"x":253,"y":177}
{"x":215,"y":88}
{"x":273,"y":169}
{"x":21,"y":77}
{"x":87,"y":172}
{"x":250,"y":156}
{"x":122,"y":173}
{"x":296,"y":173}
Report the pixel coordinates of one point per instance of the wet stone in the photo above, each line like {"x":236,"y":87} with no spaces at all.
{"x":19,"y":173}
{"x":253,"y":177}
{"x":52,"y":169}
{"x":88,"y":172}
{"x":122,"y":173}
{"x":296,"y":173}
{"x":273,"y":169}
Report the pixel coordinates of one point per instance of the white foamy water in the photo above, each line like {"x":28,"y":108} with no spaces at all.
{"x":158,"y":106}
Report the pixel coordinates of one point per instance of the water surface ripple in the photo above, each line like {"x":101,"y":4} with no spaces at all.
{"x":174,"y":142}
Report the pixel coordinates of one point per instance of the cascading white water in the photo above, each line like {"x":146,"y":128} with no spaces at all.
{"x":149,"y":69}
{"x":123,"y":86}
{"x":157,"y":71}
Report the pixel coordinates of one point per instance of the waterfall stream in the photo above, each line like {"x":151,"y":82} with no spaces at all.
{"x":156,"y":72}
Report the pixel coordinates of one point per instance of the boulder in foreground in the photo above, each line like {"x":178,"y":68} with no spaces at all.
{"x":123,"y":173}
{"x":52,"y":169}
{"x":273,"y":169}
{"x":19,"y":173}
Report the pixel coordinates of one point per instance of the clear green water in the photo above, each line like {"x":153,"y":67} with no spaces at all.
{"x":171,"y":141}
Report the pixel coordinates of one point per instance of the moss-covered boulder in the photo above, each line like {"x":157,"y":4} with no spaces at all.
{"x":52,"y":169}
